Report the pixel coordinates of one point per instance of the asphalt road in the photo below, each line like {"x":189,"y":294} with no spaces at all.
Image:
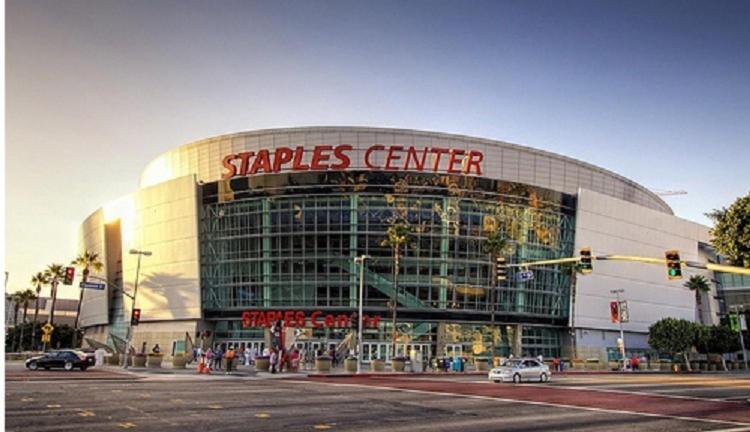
{"x":464,"y":403}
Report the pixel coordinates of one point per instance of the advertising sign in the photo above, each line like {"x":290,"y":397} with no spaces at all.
{"x":614,"y":312}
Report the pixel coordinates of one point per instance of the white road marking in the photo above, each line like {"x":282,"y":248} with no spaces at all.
{"x":556,"y":405}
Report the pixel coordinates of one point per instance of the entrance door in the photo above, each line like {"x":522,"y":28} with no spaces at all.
{"x":454,"y":350}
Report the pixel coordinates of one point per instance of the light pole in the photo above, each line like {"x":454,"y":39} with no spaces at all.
{"x":739,"y":323}
{"x":361,"y":260}
{"x":140,"y":253}
{"x":619,"y":320}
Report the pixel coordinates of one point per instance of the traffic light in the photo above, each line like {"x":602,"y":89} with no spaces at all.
{"x":586,"y":266}
{"x":502,"y":269}
{"x":674,"y":267}
{"x":135,"y":317}
{"x":70,"y":273}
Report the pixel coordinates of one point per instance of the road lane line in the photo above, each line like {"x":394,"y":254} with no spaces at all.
{"x":552,"y":404}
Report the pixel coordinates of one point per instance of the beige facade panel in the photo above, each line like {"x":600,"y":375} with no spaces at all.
{"x":95,"y":303}
{"x":166,"y":224}
{"x":611,"y":226}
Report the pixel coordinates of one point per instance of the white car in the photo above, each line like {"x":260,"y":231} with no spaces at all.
{"x":517,"y":370}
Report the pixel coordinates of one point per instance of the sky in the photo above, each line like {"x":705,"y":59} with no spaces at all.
{"x":656,"y":91}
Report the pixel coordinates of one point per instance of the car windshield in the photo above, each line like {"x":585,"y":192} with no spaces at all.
{"x":511,"y":363}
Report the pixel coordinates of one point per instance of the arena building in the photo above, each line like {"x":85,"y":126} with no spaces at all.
{"x":265,"y":225}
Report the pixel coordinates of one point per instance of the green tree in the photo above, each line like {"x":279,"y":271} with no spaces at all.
{"x":38,"y":280}
{"x":397,"y":237}
{"x":87,"y":261}
{"x":672,"y":335}
{"x":24,"y":297}
{"x":495,"y":246}
{"x":54,"y":273}
{"x":731,"y":232}
{"x":699,"y":285}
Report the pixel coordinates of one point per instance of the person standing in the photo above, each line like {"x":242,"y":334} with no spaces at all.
{"x":272,"y":360}
{"x":218,"y":355}
{"x":210,"y":358}
{"x":247,"y":355}
{"x":230,"y":359}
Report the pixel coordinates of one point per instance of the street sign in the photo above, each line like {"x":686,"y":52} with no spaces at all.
{"x":525,"y":276}
{"x":47,"y":328}
{"x":624,"y":312}
{"x":92,"y":285}
{"x":614,"y":312}
{"x":47,"y":338}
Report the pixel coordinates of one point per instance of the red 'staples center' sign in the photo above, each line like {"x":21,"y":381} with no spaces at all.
{"x":298,"y":319}
{"x":326,"y":157}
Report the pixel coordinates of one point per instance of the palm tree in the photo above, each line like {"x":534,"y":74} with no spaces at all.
{"x":397,"y":238}
{"x":699,"y":285}
{"x":54,"y":273}
{"x":14,"y":298}
{"x":24,"y":297}
{"x":38,"y":280}
{"x":87,"y":260}
{"x":495,"y":246}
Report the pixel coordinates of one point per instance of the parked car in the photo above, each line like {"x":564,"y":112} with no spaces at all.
{"x":66,"y":359}
{"x":518,"y":370}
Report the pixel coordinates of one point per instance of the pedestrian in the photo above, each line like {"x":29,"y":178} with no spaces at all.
{"x":303,"y":358}
{"x":230,"y":359}
{"x":218,"y":355}
{"x":562,"y":365}
{"x":295,"y":360}
{"x":540,"y":358}
{"x":143,"y":348}
{"x":253,"y":354}
{"x":156,"y":349}
{"x":210,"y":358}
{"x":272,"y":360}
{"x":332,"y":354}
{"x":247,"y":356}
{"x":634,"y":362}
{"x":556,"y":364}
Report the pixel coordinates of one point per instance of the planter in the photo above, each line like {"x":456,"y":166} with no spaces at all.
{"x":695,"y":364}
{"x":139,"y":361}
{"x":483,"y":364}
{"x":113,"y":360}
{"x":665,"y":366}
{"x":703,"y":366}
{"x":179,"y":361}
{"x":655,"y":365}
{"x":613,"y":365}
{"x":712,"y":366}
{"x":350,"y":364}
{"x":398,"y":364}
{"x":323,"y":364}
{"x":154,"y":361}
{"x":262,"y":363}
{"x":377,"y":365}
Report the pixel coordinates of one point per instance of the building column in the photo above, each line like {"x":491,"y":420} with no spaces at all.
{"x":266,"y":216}
{"x":353,"y":268}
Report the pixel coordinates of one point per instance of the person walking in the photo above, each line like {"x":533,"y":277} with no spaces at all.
{"x":272,"y":360}
{"x":247,"y":356}
{"x":210,"y":358}
{"x":218,"y":355}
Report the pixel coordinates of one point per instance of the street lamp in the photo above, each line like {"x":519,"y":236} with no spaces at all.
{"x":617,"y":292}
{"x":742,"y":340}
{"x":361,"y":260}
{"x":140,"y":253}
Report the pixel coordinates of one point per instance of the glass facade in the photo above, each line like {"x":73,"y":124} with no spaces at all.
{"x":289,"y":241}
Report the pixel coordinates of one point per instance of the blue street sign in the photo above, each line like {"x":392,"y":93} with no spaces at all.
{"x":524,"y":276}
{"x":92,"y":285}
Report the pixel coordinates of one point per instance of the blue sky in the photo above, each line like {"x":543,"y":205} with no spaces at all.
{"x":656,"y":91}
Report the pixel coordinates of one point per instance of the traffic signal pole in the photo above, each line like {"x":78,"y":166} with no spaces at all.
{"x":135,"y":293}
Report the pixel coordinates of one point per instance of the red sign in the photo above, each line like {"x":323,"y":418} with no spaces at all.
{"x":614,"y":311}
{"x":299,"y":319}
{"x":326,"y":157}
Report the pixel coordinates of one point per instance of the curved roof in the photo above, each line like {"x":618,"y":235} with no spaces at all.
{"x":502,"y":160}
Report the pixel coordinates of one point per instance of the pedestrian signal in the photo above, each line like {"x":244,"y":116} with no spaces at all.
{"x":135,"y":317}
{"x":586,"y":265}
{"x":674,"y":266}
{"x":70,"y":273}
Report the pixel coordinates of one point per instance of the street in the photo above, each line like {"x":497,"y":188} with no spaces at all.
{"x":113,"y":401}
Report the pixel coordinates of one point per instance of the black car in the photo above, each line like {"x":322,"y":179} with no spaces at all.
{"x":66,"y":359}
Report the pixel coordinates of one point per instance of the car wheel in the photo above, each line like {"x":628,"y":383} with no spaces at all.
{"x":543,"y":378}
{"x":32,"y":366}
{"x":497,"y":381}
{"x":68,"y":366}
{"x":517,"y":378}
